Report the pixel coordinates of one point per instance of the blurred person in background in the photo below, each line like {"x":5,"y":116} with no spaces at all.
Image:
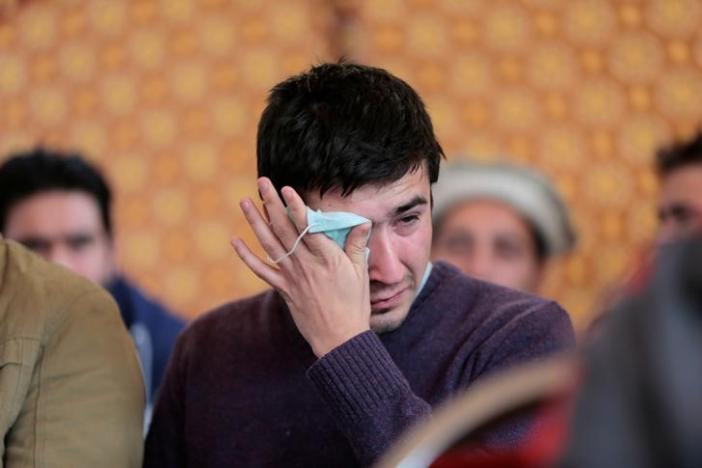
{"x":679,"y":169}
{"x":629,"y":398}
{"x":59,"y":206}
{"x":679,"y":209}
{"x":499,"y":223}
{"x":71,"y":392}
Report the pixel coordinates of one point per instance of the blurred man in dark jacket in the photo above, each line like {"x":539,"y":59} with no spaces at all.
{"x":60,"y":207}
{"x":680,"y":203}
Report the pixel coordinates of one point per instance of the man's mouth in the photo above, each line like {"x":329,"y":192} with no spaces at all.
{"x":386,"y":301}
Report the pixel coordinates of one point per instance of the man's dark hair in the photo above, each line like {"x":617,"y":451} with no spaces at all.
{"x":344,"y":126}
{"x":41,"y":170}
{"x":679,"y":154}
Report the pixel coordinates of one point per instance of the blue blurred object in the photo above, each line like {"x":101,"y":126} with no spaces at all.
{"x":153,"y":328}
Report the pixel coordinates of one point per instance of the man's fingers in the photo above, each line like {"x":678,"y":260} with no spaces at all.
{"x":280,"y":222}
{"x":298,"y":210}
{"x":268,"y":240}
{"x":261,"y":269}
{"x":356,"y":243}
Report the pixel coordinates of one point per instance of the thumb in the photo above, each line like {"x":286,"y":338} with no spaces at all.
{"x":356,"y":243}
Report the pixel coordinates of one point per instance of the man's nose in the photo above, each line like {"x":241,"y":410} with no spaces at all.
{"x":62,"y":256}
{"x":480,"y":265}
{"x":384,"y":264}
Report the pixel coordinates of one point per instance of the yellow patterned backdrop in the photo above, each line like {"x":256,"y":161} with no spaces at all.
{"x":165,"y":96}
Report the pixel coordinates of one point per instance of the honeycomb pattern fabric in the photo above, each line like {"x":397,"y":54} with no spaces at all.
{"x":584,"y":90}
{"x":165,"y":96}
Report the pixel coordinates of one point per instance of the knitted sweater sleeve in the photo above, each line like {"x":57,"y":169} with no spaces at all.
{"x":373,"y":404}
{"x":369,"y":397}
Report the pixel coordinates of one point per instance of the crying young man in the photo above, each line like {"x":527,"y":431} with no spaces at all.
{"x":360,"y":336}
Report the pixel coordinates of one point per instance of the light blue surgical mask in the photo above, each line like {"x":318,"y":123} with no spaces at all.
{"x":336,"y":225}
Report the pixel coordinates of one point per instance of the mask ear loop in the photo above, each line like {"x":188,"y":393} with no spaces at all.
{"x":297,"y":242}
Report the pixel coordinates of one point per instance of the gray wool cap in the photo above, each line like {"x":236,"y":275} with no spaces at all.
{"x":528,"y":192}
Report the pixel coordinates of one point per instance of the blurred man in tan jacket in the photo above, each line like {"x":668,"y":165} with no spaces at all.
{"x":71,"y":392}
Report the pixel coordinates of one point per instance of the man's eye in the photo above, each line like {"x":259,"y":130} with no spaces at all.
{"x":79,"y":242}
{"x":35,"y":245}
{"x":681,"y":214}
{"x":508,"y":249}
{"x":407,"y":224}
{"x":458,"y":244}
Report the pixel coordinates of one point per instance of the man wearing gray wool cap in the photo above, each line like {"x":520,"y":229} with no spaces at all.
{"x":500,"y":223}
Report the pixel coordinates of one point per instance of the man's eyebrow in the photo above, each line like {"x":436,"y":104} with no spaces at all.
{"x":416,"y":201}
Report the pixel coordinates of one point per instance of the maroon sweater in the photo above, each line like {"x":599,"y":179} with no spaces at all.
{"x":243,"y":388}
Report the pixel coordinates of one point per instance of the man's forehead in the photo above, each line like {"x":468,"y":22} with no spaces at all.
{"x":380,"y":200}
{"x":688,"y":174}
{"x":62,"y":236}
{"x":682,"y":186}
{"x":55,"y":212}
{"x":59,"y":199}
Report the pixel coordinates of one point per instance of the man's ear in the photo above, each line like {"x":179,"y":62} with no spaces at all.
{"x":540,"y":274}
{"x":113,"y":251}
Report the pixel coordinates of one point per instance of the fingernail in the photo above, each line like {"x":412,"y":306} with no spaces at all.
{"x":287,"y":192}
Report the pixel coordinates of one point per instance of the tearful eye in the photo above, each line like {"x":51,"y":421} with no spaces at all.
{"x":406,"y":225}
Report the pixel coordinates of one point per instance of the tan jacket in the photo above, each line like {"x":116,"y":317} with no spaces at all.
{"x":71,"y":393}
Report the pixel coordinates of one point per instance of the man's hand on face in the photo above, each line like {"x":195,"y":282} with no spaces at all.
{"x":326,"y":288}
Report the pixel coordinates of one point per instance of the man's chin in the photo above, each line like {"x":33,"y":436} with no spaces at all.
{"x":388,"y":314}
{"x":384,"y":321}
